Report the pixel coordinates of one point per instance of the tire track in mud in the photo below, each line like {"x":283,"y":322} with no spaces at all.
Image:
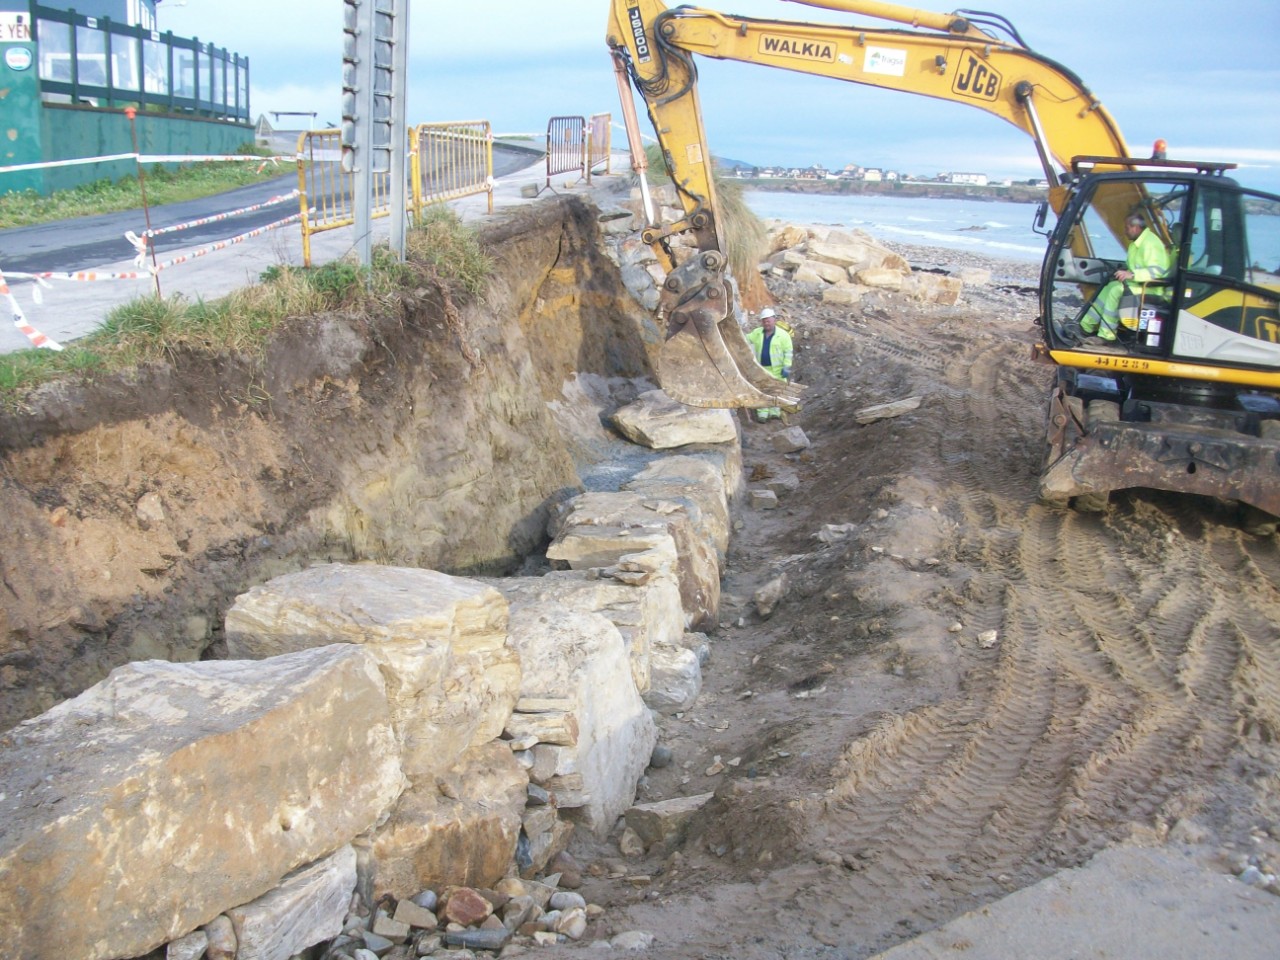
{"x":1115,"y":686}
{"x":1134,"y":651}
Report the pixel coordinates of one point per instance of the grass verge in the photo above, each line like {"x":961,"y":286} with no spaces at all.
{"x":442,"y":252}
{"x":188,"y":182}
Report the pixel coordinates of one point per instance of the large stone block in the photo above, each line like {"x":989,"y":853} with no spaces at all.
{"x":645,"y":613}
{"x":842,"y":255}
{"x":634,"y":534}
{"x":696,"y":484}
{"x":882,"y":278}
{"x":655,"y":420}
{"x":461,"y":830}
{"x":170,"y":792}
{"x":934,"y":288}
{"x":579,"y":656}
{"x":440,"y":641}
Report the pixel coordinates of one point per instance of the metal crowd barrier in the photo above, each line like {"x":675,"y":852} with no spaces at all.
{"x":598,"y":147}
{"x":325,"y":191}
{"x":451,"y":160}
{"x":566,"y":146}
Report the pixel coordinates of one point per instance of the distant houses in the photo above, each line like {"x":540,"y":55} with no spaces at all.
{"x":856,"y":172}
{"x":815,"y":172}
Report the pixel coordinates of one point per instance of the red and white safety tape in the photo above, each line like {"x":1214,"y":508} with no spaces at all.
{"x":37,"y":338}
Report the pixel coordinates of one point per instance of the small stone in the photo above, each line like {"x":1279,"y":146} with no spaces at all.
{"x":466,"y":907}
{"x":764,"y":500}
{"x":222,"y":938}
{"x":661,"y":757}
{"x":190,"y":947}
{"x":632,"y":940}
{"x":518,"y":911}
{"x":572,"y":923}
{"x":956,"y":627}
{"x":427,"y":900}
{"x":1253,"y":877}
{"x":716,"y":768}
{"x":629,"y":844}
{"x":415,"y":916}
{"x":394,"y":930}
{"x":988,"y":639}
{"x":564,"y":900}
{"x":538,"y":796}
{"x":150,"y":509}
{"x":378,"y":944}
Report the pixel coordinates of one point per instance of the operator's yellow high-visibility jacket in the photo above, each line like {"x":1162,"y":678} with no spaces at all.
{"x":1150,"y":262}
{"x":775,"y":353}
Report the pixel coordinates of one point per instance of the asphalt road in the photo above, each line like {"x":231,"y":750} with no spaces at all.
{"x":88,"y":242}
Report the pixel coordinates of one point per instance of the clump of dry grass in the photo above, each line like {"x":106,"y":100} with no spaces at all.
{"x":745,"y":236}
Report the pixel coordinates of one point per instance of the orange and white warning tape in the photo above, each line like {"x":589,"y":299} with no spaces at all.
{"x":83,"y":276}
{"x":223,"y":244}
{"x":148,"y":158}
{"x":141,"y":243}
{"x":37,"y":338}
{"x":282,"y":198}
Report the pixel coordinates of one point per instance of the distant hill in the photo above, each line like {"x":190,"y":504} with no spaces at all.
{"x":724,"y":163}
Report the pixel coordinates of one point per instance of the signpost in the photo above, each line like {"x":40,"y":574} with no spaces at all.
{"x":375,"y":47}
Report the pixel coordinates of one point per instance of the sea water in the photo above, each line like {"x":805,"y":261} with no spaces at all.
{"x":993,"y":228}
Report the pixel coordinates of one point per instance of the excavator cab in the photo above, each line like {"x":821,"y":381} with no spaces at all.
{"x":1186,"y":397}
{"x":1213,"y":302}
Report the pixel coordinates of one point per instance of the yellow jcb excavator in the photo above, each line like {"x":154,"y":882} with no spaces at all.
{"x":1187,"y":398}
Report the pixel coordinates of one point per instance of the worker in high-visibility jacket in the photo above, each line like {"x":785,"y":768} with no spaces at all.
{"x":1147,"y":265}
{"x":773,"y":350}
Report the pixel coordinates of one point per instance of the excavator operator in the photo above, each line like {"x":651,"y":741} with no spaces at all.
{"x":1148,"y":261}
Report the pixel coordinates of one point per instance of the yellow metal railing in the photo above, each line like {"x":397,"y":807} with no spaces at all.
{"x":598,"y":146}
{"x":451,"y":160}
{"x":325,"y":189}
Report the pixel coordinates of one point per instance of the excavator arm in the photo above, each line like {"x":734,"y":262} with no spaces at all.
{"x":957,"y":57}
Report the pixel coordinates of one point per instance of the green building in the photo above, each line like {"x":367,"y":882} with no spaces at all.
{"x":67,"y":76}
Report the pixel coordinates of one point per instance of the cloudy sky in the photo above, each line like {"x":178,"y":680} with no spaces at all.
{"x":1202,"y":75}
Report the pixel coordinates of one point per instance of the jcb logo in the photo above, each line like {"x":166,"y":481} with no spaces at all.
{"x":977,"y":79}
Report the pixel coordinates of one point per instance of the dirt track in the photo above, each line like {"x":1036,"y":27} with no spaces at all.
{"x":970,"y":690}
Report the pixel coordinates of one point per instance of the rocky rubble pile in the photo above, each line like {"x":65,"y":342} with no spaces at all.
{"x":453,"y":922}
{"x":841,"y":266}
{"x":844,"y":266}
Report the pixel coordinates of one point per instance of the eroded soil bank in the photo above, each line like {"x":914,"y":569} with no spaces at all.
{"x":136,"y":510}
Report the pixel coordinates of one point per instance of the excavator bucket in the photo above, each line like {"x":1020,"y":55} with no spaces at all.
{"x":706,"y":361}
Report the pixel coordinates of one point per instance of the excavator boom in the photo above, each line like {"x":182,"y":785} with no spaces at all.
{"x":705,"y":360}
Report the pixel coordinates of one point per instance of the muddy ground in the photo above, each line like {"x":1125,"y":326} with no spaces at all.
{"x":967,"y":691}
{"x":960,"y":692}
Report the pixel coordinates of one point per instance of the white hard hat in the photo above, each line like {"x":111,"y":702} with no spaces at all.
{"x":766,"y":313}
